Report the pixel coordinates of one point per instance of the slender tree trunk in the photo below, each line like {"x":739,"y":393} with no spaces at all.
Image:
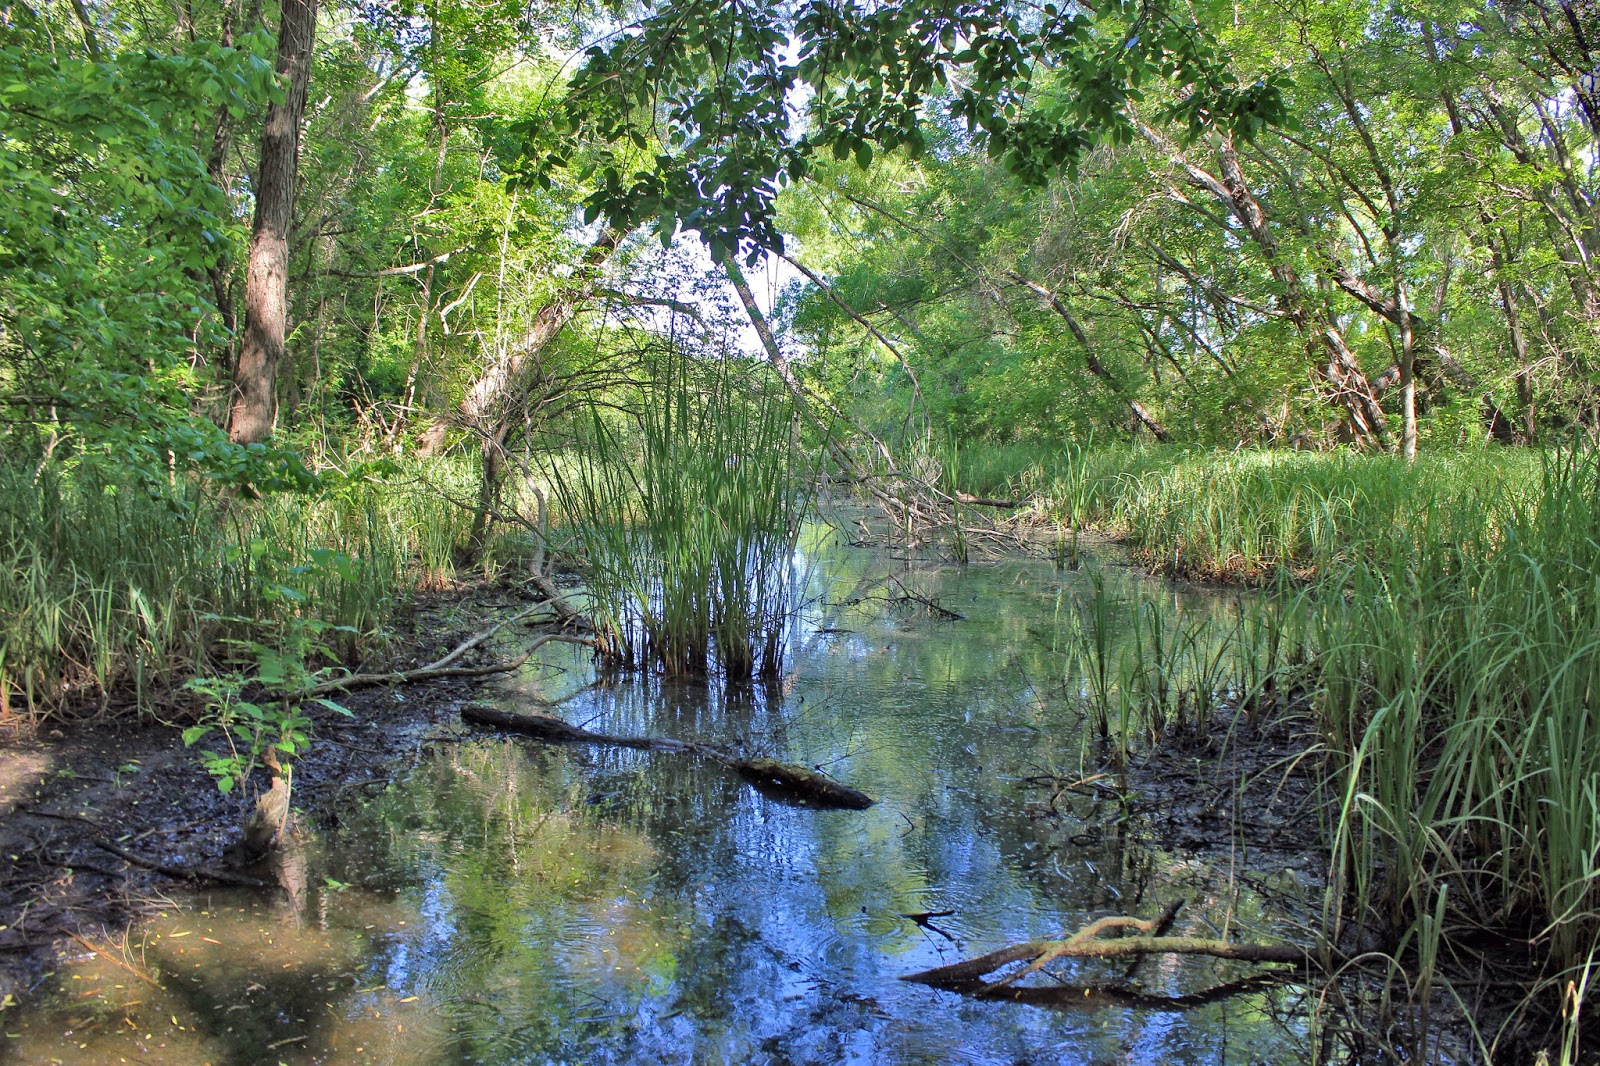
{"x":1519,"y":346}
{"x":805,"y":401}
{"x":1408,"y":382}
{"x":494,"y":466}
{"x":1336,"y":372}
{"x":1342,"y":372}
{"x":266,"y":296}
{"x":1140,"y":413}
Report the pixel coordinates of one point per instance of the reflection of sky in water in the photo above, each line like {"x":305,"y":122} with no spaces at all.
{"x":597,"y":905}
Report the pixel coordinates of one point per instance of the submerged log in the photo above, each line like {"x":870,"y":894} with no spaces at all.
{"x":781,"y":780}
{"x":1092,"y":997}
{"x":776,"y":780}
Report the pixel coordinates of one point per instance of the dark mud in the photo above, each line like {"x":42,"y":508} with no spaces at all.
{"x":69,"y":789}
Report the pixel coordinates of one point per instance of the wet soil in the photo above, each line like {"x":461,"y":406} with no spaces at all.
{"x":68,"y":789}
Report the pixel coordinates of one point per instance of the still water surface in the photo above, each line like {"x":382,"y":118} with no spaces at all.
{"x":510,"y":902}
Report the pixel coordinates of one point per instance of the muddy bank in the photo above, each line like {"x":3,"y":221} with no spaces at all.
{"x":68,"y":790}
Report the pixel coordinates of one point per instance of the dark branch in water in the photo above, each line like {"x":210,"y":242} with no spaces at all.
{"x":907,"y":595}
{"x":778,"y":780}
{"x":439,"y":668}
{"x":1081,"y":997}
{"x":184,"y":873}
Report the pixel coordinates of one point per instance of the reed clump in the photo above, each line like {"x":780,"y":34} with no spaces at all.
{"x":1443,"y":622}
{"x":112,"y":595}
{"x":686,"y":518}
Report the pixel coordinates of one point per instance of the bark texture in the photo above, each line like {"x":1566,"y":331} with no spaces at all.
{"x":266,"y":294}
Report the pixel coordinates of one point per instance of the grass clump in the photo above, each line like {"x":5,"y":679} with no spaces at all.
{"x":112,"y":595}
{"x":1442,"y":620}
{"x":1457,"y":691}
{"x":687,"y":520}
{"x":1256,"y":515}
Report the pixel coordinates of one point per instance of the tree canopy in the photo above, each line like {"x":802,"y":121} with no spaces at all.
{"x":1365,"y":222}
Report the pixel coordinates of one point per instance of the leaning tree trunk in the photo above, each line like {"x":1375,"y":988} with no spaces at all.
{"x":266,"y":292}
{"x":494,"y":404}
{"x":1141,"y":414}
{"x":1341,"y":373}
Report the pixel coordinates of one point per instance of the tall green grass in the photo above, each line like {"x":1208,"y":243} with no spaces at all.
{"x":687,"y":519}
{"x":1246,"y":515}
{"x":111,"y":597}
{"x":1146,"y":669}
{"x":1445,"y":619}
{"x":1075,"y":484}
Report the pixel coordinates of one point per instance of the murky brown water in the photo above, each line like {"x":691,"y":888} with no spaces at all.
{"x":516,"y":903}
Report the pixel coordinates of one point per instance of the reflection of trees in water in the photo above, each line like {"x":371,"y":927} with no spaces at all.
{"x":543,"y":931}
{"x":237,"y":980}
{"x":592,"y":904}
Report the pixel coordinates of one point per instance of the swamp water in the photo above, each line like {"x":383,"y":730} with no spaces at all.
{"x":514,"y":902}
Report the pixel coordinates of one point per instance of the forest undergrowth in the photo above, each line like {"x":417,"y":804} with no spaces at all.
{"x":116,"y":597}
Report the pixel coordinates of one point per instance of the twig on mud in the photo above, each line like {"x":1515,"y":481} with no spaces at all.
{"x":113,"y":960}
{"x":184,"y":873}
{"x":80,"y":819}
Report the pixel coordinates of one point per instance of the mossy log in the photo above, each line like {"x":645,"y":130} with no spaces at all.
{"x":776,"y":780}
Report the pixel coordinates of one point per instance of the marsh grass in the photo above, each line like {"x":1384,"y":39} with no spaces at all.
{"x":687,"y":519}
{"x":1443,"y":623}
{"x":1146,"y":670}
{"x":111,"y":597}
{"x":1255,"y":515}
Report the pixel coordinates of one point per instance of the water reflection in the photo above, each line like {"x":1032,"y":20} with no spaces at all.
{"x":512,"y":902}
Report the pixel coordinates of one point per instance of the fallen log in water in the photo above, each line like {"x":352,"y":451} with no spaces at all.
{"x":777,"y":780}
{"x":968,"y":976}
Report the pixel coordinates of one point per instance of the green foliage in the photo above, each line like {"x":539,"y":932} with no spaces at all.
{"x":1208,"y":276}
{"x":112,"y":597}
{"x":109,"y":226}
{"x":703,"y":91}
{"x":273,"y":669}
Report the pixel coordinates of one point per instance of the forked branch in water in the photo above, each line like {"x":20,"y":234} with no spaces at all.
{"x":1089,"y":943}
{"x":441,"y":668}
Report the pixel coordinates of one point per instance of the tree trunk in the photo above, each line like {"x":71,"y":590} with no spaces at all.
{"x":1519,"y":346}
{"x":1336,"y":371}
{"x":491,"y":406}
{"x":1408,"y":384}
{"x":1342,"y":372}
{"x":1140,"y":413}
{"x":266,"y":294}
{"x":801,"y":396}
{"x":494,"y":465}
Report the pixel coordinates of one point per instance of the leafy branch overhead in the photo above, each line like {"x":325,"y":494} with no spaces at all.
{"x":709,"y":109}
